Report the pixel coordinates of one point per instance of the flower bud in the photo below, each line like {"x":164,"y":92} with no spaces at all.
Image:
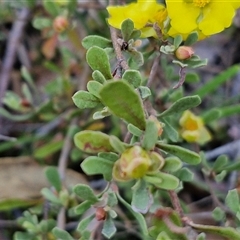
{"x":60,"y":24}
{"x":100,"y":214}
{"x":134,"y":162}
{"x":184,"y":52}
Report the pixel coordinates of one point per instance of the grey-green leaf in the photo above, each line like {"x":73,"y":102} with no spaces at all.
{"x":109,"y":228}
{"x":94,"y":88}
{"x":141,"y":198}
{"x":95,"y":40}
{"x":98,"y":76}
{"x":98,"y":60}
{"x":133,"y":77}
{"x":184,"y":154}
{"x":124,"y":102}
{"x":96,"y":165}
{"x":172,"y":164}
{"x":83,"y":99}
{"x":232,"y":200}
{"x":150,"y":136}
{"x":127,"y":28}
{"x":53,"y":177}
{"x":85,"y":193}
{"x":181,"y":105}
{"x":61,"y":234}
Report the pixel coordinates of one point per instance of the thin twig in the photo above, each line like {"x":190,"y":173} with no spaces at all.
{"x":153,"y":71}
{"x":176,"y":203}
{"x":120,"y":58}
{"x":12,"y":46}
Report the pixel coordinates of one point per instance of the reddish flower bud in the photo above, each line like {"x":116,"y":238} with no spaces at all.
{"x":100,"y":214}
{"x":60,"y":24}
{"x":184,"y":52}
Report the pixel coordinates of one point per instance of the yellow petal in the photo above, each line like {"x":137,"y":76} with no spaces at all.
{"x":216,"y":17}
{"x":183,"y":16}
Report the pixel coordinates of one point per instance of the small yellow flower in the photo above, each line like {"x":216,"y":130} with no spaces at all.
{"x":141,"y":13}
{"x":193,"y":129}
{"x":206,"y":16}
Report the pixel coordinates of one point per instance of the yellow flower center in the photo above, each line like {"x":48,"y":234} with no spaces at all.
{"x":198,"y":3}
{"x":191,"y":125}
{"x":161,"y":16}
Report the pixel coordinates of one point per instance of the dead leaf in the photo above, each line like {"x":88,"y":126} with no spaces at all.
{"x":22,"y":178}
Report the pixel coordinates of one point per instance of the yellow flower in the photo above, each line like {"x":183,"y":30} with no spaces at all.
{"x":141,"y":13}
{"x":206,"y":16}
{"x":193,"y":129}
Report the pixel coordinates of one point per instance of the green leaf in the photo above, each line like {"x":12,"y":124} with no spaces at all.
{"x":134,"y":130}
{"x":41,"y":23}
{"x":95,"y":40}
{"x":15,"y":118}
{"x":23,"y":235}
{"x":127,"y":28}
{"x":109,"y":156}
{"x":85,"y":193}
{"x":217,"y":81}
{"x":109,"y":228}
{"x":137,"y":58}
{"x":211,"y":115}
{"x":229,"y":110}
{"x":98,"y":76}
{"x":172,"y":164}
{"x":185,"y":175}
{"x":201,"y":236}
{"x":49,"y":195}
{"x":135,"y":34}
{"x":93,"y":141}
{"x":219,"y":177}
{"x":184,"y":154}
{"x":101,"y":114}
{"x":53,"y":178}
{"x":117,"y":144}
{"x":48,"y":149}
{"x":232,"y":200}
{"x":139,"y":217}
{"x":112,"y":199}
{"x":191,"y":39}
{"x":192,"y":77}
{"x":51,"y":7}
{"x":83,"y":224}
{"x":10,"y":204}
{"x":94,"y":88}
{"x":144,"y":92}
{"x":96,"y":165}
{"x":218,"y":214}
{"x":98,"y":60}
{"x":124,"y":102}
{"x":150,"y":136}
{"x":181,"y":105}
{"x":141,"y":198}
{"x":168,"y":129}
{"x":61,"y":234}
{"x":166,"y":181}
{"x":133,"y":77}
{"x":83,"y":99}
{"x":163,"y":236}
{"x":83,"y":207}
{"x":177,"y":41}
{"x":220,"y":163}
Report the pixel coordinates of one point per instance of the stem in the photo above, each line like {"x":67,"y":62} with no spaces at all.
{"x":227,"y":232}
{"x":176,"y":203}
